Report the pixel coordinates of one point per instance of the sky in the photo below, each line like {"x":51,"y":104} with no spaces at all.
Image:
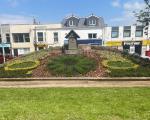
{"x":114,"y":12}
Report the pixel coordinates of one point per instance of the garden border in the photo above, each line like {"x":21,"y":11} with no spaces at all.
{"x":119,"y":79}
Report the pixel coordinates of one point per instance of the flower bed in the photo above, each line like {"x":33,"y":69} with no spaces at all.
{"x":22,"y":65}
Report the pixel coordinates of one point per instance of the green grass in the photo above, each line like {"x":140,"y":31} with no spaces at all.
{"x":75,"y":104}
{"x":71,"y":65}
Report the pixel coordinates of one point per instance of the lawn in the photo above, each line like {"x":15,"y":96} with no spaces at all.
{"x":75,"y":104}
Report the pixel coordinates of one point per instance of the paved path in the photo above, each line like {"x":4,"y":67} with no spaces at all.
{"x":45,"y":84}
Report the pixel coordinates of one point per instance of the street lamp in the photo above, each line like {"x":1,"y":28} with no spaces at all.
{"x":3,"y":49}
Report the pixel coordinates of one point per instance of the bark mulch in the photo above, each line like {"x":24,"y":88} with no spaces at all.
{"x":100,"y":70}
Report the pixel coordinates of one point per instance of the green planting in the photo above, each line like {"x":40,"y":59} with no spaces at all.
{"x":121,"y":65}
{"x":71,"y":65}
{"x":22,"y":65}
{"x":14,"y":74}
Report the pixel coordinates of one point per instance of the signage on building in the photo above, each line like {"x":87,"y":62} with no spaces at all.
{"x":132,"y":43}
{"x":146,"y":42}
{"x":4,"y":45}
{"x":113,"y":43}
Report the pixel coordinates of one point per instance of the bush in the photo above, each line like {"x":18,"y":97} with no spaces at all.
{"x":121,"y":65}
{"x":71,"y":65}
{"x":14,"y":74}
{"x":21,"y":65}
{"x":139,"y":72}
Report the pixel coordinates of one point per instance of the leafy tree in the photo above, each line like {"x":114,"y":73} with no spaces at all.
{"x":144,"y":15}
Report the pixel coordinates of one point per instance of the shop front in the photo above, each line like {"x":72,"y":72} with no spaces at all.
{"x":5,"y":52}
{"x":130,"y":46}
{"x":146,"y":44}
{"x":133,"y":47}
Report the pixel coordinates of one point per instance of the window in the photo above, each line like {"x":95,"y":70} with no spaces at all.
{"x":0,"y":38}
{"x":127,"y":31}
{"x":139,"y":31}
{"x":92,"y":36}
{"x":55,"y":37}
{"x":21,"y":37}
{"x":115,"y":32}
{"x":23,"y":51}
{"x":7,"y":38}
{"x":26,"y":37}
{"x":71,"y":23}
{"x":26,"y":50}
{"x":92,"y":22}
{"x":40,"y":37}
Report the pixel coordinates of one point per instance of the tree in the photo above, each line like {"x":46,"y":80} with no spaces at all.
{"x":143,"y":16}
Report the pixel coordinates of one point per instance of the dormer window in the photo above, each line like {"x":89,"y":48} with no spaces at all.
{"x":92,"y":22}
{"x":71,"y":23}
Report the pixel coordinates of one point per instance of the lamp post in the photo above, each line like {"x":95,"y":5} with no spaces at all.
{"x":3,"y":49}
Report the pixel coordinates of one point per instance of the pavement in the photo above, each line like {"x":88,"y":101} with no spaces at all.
{"x":72,"y":84}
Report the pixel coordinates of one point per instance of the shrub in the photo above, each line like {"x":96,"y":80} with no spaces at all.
{"x":71,"y":65}
{"x":121,"y":65}
{"x":14,"y":74}
{"x":139,"y":72}
{"x":21,"y":65}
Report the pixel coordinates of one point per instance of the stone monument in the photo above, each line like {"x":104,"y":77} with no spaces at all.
{"x":72,"y":37}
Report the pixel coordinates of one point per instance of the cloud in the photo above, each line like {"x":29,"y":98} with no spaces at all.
{"x":134,"y":6}
{"x":127,"y":17}
{"x":13,"y":3}
{"x":14,"y":19}
{"x":116,"y":3}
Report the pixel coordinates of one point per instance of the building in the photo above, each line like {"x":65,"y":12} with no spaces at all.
{"x":134,"y":39}
{"x":23,"y":39}
{"x":19,"y":39}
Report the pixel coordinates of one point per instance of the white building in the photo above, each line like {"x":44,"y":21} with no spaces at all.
{"x":131,"y":38}
{"x":22,"y":39}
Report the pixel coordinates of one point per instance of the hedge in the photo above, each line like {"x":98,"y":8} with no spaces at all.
{"x":122,"y":65}
{"x":21,"y":65}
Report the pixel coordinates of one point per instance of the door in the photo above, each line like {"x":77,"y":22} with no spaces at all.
{"x":138,"y":49}
{"x":15,"y":52}
{"x":126,"y":48}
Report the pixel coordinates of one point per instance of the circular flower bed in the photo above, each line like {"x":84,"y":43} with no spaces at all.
{"x":119,"y":64}
{"x":22,"y":65}
{"x":71,"y":65}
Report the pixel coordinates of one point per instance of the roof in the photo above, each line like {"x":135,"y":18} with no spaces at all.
{"x":73,"y":34}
